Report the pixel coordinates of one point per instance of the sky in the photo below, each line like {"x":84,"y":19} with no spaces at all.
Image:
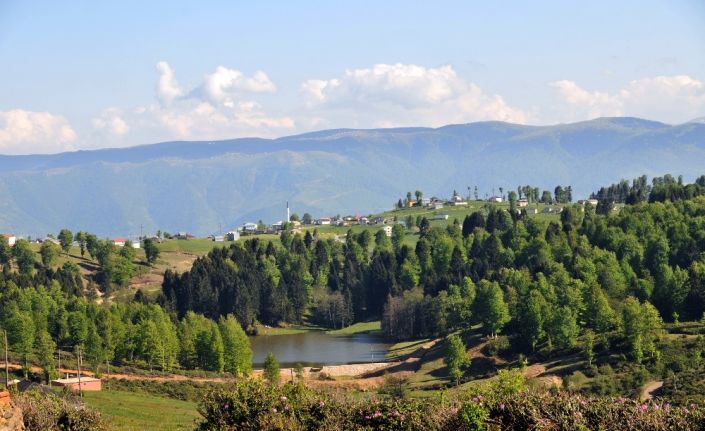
{"x":92,"y":74}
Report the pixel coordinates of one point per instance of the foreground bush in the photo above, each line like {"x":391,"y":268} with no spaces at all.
{"x":49,"y":412}
{"x":254,"y":405}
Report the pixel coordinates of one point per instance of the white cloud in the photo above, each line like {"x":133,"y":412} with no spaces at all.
{"x":404,"y":94}
{"x":167,"y":87}
{"x":219,"y":107}
{"x":673,"y":99}
{"x":204,"y":120}
{"x":25,"y":132}
{"x":221,"y":85}
{"x":585,"y":104}
{"x":111,"y":120}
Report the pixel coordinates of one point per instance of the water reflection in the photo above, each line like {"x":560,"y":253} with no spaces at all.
{"x":317,"y":348}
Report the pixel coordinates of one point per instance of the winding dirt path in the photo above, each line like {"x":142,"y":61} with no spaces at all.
{"x":647,"y":391}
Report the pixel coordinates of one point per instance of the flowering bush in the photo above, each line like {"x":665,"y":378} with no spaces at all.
{"x":254,"y":405}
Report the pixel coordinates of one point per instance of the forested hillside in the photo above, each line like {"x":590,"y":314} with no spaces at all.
{"x":46,"y":310}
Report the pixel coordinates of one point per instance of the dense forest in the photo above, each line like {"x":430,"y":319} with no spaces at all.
{"x":45,"y":310}
{"x":540,"y":283}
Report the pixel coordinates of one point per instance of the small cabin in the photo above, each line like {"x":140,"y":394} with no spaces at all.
{"x":83,"y":383}
{"x":11,"y":238}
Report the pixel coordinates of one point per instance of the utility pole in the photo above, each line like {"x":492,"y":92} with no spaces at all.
{"x":7,"y":365}
{"x":80,"y":390}
{"x":107,"y":366}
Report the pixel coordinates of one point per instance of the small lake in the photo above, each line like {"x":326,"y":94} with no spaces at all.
{"x":317,"y":348}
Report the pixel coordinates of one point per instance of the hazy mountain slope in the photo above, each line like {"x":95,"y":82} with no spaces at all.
{"x":197,"y":186}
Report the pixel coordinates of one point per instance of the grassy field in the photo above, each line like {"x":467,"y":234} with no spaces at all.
{"x":127,"y":411}
{"x":358,"y":328}
{"x":404,"y":348}
{"x":289,"y":330}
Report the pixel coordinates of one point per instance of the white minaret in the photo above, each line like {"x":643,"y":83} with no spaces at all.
{"x":288,"y":216}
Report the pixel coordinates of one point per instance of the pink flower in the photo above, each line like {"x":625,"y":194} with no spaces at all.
{"x":274,"y":410}
{"x":321,"y":404}
{"x":501,"y":406}
{"x":377,"y":414}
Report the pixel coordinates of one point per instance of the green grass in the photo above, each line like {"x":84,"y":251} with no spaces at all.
{"x":289,"y":330}
{"x":358,"y":328}
{"x":196,"y":246}
{"x":127,"y":411}
{"x":403,"y":348}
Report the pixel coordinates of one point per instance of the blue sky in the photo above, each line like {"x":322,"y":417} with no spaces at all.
{"x":79,"y":75}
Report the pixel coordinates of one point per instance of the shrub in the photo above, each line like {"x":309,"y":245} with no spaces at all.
{"x":473,"y":416}
{"x":50,"y":412}
{"x":497,"y":346}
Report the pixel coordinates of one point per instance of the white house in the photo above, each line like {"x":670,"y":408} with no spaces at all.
{"x":11,"y":238}
{"x":232,"y":235}
{"x":440,"y":217}
{"x":496,"y":199}
{"x":437,"y":205}
{"x":523,"y":202}
{"x":119,"y":241}
{"x":249,"y":227}
{"x":387,"y":230}
{"x":323,"y":221}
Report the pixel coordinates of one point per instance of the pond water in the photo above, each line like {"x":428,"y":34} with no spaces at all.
{"x":316,"y":348}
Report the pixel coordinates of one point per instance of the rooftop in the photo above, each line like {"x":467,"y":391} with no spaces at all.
{"x":71,"y":380}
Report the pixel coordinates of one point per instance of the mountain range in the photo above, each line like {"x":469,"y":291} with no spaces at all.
{"x":202,"y":187}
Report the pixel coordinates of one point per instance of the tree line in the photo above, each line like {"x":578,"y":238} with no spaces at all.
{"x":661,"y":189}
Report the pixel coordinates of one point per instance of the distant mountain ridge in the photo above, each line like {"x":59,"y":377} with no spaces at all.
{"x":199,"y":186}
